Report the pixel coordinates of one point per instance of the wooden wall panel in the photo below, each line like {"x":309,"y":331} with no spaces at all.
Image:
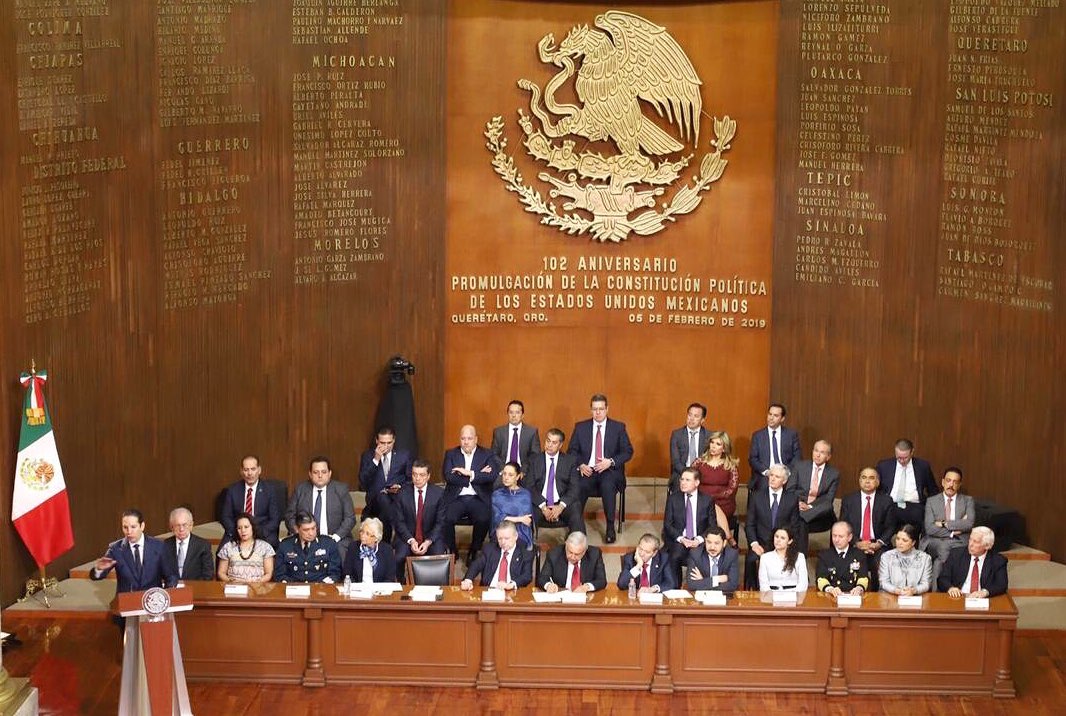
{"x":937,"y":346}
{"x":650,"y":373}
{"x":155,"y":393}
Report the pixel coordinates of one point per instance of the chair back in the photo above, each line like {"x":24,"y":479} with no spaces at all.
{"x":431,"y":570}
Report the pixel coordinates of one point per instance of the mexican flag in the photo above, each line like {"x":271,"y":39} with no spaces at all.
{"x":39,"y":507}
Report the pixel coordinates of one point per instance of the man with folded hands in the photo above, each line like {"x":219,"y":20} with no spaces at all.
{"x":306,"y":557}
{"x":647,"y":566}
{"x":504,"y":565}
{"x":842,"y":567}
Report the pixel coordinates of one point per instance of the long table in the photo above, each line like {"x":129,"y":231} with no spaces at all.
{"x":609,"y":642}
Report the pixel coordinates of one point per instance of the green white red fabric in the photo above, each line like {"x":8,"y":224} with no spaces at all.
{"x":40,"y":510}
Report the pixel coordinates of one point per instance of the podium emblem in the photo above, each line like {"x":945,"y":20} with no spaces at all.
{"x":156,"y":601}
{"x":615,"y":183}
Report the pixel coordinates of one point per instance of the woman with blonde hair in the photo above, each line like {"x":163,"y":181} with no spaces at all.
{"x":719,"y":476}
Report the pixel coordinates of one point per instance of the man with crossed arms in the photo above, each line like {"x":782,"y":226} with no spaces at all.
{"x":948,"y":520}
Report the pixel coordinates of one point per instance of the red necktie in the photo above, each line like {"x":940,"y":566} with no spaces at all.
{"x":575,"y":577}
{"x":975,"y":578}
{"x":814,"y":484}
{"x":599,"y":443}
{"x":644,"y":581}
{"x":419,"y":535}
{"x":868,"y":521}
{"x":501,"y":576}
{"x":248,"y":501}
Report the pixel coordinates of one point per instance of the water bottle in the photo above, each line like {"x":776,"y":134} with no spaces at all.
{"x":632,"y":589}
{"x":347,"y":584}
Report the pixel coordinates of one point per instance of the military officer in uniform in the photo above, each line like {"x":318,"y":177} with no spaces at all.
{"x":842,"y":568}
{"x":305,"y":557}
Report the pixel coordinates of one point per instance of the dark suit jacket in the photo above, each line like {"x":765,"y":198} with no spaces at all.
{"x":528,"y":443}
{"x":679,"y":448}
{"x":760,"y":456}
{"x":519,"y":568}
{"x":266,"y":510}
{"x":482,"y":482}
{"x":956,"y":572}
{"x":759,"y":527}
{"x":616,"y":445}
{"x":154,"y":571}
{"x":555,"y":565}
{"x":674,"y":518}
{"x":404,"y":510}
{"x":340,"y":512}
{"x":372,"y":478}
{"x":567,"y":487}
{"x":923,"y":477}
{"x":827,"y":488}
{"x":659,"y":572}
{"x":728,"y":564}
{"x":199,"y":562}
{"x":846,"y":573}
{"x":882,"y":520}
{"x":384,"y":570}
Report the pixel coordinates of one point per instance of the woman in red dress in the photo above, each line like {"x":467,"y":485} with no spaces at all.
{"x":719,"y":476}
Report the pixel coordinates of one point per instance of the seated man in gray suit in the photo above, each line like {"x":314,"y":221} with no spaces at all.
{"x":815,"y":482}
{"x":325,"y":499}
{"x":688,"y":442}
{"x":516,"y":441}
{"x":948,"y":520}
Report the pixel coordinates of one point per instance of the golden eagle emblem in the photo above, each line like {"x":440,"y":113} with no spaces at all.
{"x":632,"y":65}
{"x":36,"y":473}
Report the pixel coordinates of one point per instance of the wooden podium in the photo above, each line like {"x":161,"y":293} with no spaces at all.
{"x":153,"y":677}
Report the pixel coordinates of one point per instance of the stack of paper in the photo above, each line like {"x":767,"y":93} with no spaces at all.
{"x":547,"y":598}
{"x":677,"y":594}
{"x":420,"y":593}
{"x":574,"y":597}
{"x":710,"y":597}
{"x":493,"y":595}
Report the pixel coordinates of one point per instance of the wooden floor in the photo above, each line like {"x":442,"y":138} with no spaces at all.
{"x":76,"y":665}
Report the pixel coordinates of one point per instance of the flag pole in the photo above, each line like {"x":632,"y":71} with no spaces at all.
{"x":44,"y":587}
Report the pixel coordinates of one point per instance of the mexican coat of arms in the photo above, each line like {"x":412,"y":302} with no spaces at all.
{"x":631,"y":66}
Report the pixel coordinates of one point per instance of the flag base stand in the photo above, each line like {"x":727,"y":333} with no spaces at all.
{"x":17,"y":696}
{"x":42,"y":589}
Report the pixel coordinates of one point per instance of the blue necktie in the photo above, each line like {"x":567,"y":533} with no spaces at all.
{"x":318,"y":507}
{"x":773,"y":446}
{"x":137,"y":560}
{"x":773,"y":510}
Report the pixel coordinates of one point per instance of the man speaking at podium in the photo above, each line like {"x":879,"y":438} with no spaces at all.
{"x":136,"y":558}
